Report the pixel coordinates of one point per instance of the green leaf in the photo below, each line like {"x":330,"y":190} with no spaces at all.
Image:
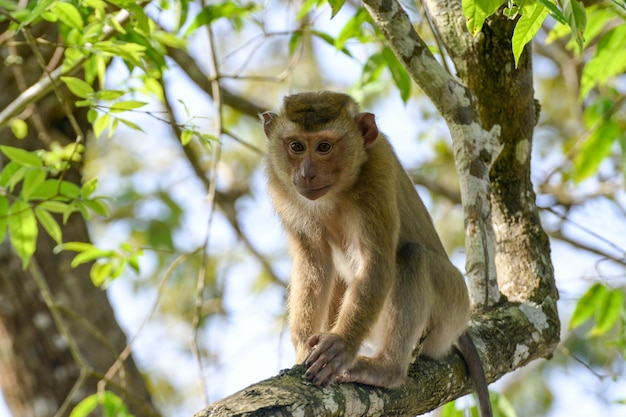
{"x":86,"y":406}
{"x":55,"y":206}
{"x":113,"y":127}
{"x":78,"y":87}
{"x":46,"y":190}
{"x":336,"y":5}
{"x":574,"y":13}
{"x":608,"y":62}
{"x":119,"y":268}
{"x":588,"y":304}
{"x":331,"y":41}
{"x":294,"y":41}
{"x":19,"y":128}
{"x":9,"y":172}
{"x":18,"y":176}
{"x":352,"y":29}
{"x":598,"y":18}
{"x":609,"y":312}
{"x":400,"y":76}
{"x":133,"y":261}
{"x":68,"y":14}
{"x":122,"y":106}
{"x":49,"y":224}
{"x":32,"y":15}
{"x":91,"y":255}
{"x":21,"y":156}
{"x":533,"y":15}
{"x":101,"y":124}
{"x":169,"y":39}
{"x":306,"y":8}
{"x":554,"y":10}
{"x":477,"y":11}
{"x":32,"y":181}
{"x":372,"y":69}
{"x":69,"y":190}
{"x":109,"y":94}
{"x":75,"y":247}
{"x":185,"y":137}
{"x":23,"y":231}
{"x":89,"y":187}
{"x":130,"y":124}
{"x":92,"y":115}
{"x":129,"y":52}
{"x":595,"y":149}
{"x":113,"y":406}
{"x":4,"y":216}
{"x":450,"y":410}
{"x":212,"y":12}
{"x":98,"y":206}
{"x":99,"y":273}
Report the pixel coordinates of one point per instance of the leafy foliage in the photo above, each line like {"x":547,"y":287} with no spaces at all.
{"x":31,"y":194}
{"x":605,"y":305}
{"x":530,"y":16}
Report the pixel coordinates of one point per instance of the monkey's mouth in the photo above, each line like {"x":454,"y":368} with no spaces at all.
{"x":314,"y":193}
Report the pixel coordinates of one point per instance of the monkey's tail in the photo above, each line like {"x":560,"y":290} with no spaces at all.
{"x":472,"y":361}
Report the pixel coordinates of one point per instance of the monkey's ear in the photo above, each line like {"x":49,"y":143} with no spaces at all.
{"x":367,"y":125}
{"x":269,"y":119}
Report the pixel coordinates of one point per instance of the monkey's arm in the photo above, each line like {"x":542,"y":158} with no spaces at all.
{"x":312,"y":273}
{"x":375,"y":269}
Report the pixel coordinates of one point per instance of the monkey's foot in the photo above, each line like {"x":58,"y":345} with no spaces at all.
{"x":373,"y":371}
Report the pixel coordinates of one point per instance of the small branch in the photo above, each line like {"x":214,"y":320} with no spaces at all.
{"x":557,"y":234}
{"x":225,"y":201}
{"x":436,"y":187}
{"x":193,"y":71}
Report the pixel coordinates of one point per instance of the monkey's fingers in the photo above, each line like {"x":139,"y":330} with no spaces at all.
{"x":313,"y":340}
{"x":326,"y":359}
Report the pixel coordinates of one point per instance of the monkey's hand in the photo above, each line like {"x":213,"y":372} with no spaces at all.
{"x":328,"y":359}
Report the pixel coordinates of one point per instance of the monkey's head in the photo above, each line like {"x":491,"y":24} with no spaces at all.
{"x":318,"y":142}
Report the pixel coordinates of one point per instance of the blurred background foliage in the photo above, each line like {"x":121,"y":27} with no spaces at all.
{"x":207,"y":269}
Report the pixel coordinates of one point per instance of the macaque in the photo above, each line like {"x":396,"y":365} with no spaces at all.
{"x":368,"y":265}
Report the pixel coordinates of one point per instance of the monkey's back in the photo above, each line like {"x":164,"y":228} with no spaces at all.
{"x":415,"y":222}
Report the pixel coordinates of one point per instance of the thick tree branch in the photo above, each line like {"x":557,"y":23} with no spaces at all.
{"x":522,"y":247}
{"x":475,"y":149}
{"x":510,"y":336}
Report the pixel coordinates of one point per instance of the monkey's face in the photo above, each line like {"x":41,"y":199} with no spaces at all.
{"x":314,"y":161}
{"x":318,"y":147}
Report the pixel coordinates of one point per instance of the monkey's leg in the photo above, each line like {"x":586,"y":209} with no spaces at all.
{"x":449,"y":314}
{"x":403,"y":319}
{"x":339,"y":289}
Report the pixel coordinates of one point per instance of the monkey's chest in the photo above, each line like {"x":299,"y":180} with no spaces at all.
{"x":348,"y":260}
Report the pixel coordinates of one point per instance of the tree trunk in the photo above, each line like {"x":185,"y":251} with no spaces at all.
{"x":39,"y":371}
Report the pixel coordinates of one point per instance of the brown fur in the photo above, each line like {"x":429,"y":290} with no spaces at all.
{"x":367,"y":261}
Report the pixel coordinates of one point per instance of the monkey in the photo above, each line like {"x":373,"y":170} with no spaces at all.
{"x":368,"y":266}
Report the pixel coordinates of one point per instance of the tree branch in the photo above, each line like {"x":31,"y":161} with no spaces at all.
{"x":188,"y":65}
{"x":510,"y":336}
{"x":475,"y":149}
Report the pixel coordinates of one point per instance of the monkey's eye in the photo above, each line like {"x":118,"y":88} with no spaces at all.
{"x":296,"y":147}
{"x":324,"y":147}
